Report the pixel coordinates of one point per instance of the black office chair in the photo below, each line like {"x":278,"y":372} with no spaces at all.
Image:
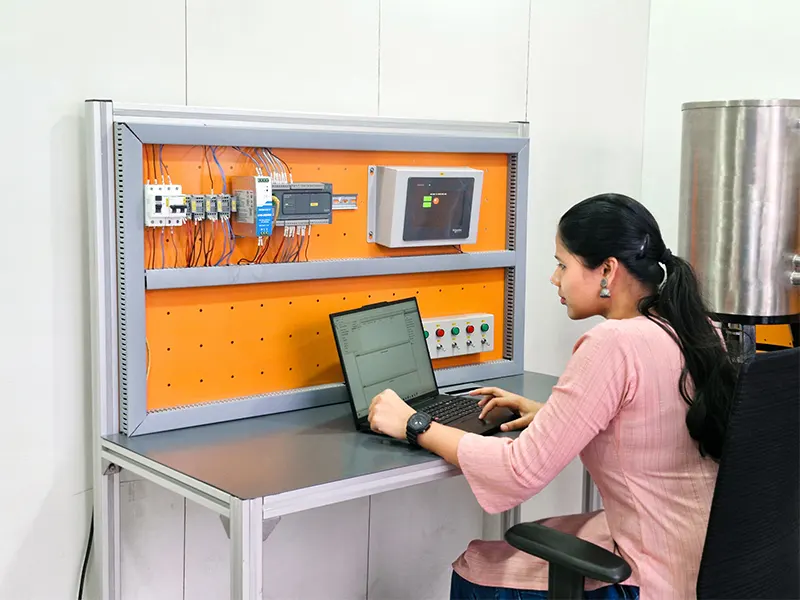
{"x":752,"y":547}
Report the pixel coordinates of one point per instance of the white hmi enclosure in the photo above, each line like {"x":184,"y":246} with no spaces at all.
{"x":427,"y":206}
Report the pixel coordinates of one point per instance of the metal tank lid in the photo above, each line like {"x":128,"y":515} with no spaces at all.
{"x":736,"y":103}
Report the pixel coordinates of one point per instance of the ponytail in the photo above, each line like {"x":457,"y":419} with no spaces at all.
{"x":615,"y":225}
{"x":708,"y":379}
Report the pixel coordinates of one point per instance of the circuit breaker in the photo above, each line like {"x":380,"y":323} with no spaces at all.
{"x":164,"y":206}
{"x":457,"y":335}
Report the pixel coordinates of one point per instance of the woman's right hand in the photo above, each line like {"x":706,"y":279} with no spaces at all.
{"x":526,"y":409}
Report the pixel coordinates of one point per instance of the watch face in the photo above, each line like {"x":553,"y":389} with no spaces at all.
{"x":419,"y":422}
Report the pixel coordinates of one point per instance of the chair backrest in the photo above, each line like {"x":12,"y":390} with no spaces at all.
{"x":752,"y":547}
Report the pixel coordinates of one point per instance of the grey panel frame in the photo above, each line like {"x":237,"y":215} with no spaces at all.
{"x":130,"y":284}
{"x":164,"y":279}
{"x":519,"y":244}
{"x":261,"y":137}
{"x":135,"y":126}
{"x":190,"y":125}
{"x":210,"y":116}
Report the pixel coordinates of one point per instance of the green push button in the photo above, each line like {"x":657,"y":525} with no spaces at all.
{"x":455,"y":331}
{"x":485,"y":327}
{"x":426,"y":334}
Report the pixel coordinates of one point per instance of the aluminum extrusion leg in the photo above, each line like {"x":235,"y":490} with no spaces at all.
{"x":246,"y":549}
{"x":107,"y":534}
{"x":510,"y":518}
{"x":591,"y":497}
{"x":104,"y":342}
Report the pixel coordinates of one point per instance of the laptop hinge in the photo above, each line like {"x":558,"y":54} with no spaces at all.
{"x":429,"y":396}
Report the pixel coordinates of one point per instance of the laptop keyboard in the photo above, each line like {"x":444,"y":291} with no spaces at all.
{"x":449,"y":409}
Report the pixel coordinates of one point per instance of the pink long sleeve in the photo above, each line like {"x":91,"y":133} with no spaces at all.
{"x":618,"y":405}
{"x":598,"y":381}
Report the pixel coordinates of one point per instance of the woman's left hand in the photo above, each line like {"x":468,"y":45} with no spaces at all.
{"x":389,"y":414}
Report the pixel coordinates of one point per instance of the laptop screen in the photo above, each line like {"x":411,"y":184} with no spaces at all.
{"x":384,"y":347}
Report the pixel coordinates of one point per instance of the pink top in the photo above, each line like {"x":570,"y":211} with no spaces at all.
{"x":617,"y":405}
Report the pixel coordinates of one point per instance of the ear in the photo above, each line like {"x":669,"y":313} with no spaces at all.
{"x":610,"y":269}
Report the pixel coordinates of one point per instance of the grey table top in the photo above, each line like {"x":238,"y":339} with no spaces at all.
{"x":265,"y":456}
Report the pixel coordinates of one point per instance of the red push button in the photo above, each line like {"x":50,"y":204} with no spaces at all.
{"x":439,"y":332}
{"x":470,"y":329}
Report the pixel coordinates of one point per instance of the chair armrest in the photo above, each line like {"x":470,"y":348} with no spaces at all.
{"x":569,"y":552}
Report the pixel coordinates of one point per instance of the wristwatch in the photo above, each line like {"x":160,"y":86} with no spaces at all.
{"x":417,"y":424}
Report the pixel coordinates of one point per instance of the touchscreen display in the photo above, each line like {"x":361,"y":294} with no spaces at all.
{"x":438,"y":208}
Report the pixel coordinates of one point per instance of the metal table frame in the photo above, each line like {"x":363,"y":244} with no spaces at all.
{"x":251,"y":506}
{"x":176,"y":461}
{"x":246,"y":516}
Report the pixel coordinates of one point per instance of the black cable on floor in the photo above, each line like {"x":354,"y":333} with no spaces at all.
{"x":86,"y":557}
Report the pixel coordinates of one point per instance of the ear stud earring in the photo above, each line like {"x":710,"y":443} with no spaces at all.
{"x":604,"y":291}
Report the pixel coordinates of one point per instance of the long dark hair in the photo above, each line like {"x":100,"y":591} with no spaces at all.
{"x":613,"y":225}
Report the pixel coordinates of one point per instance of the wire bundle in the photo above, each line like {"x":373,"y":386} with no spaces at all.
{"x":200,"y":244}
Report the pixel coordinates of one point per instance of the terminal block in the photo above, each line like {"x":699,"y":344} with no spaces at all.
{"x":457,"y":335}
{"x":164,"y":206}
{"x":224,"y":206}
{"x":197,"y":207}
{"x":211,"y":207}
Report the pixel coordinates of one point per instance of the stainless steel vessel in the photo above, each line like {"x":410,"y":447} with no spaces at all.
{"x":740,"y":207}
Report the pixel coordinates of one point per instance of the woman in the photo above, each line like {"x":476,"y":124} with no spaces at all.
{"x":644,"y":401}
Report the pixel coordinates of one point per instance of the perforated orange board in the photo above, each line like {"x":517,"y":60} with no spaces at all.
{"x":242,"y":340}
{"x":208,"y":344}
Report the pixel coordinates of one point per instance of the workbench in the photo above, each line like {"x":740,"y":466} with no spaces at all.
{"x":253,"y":471}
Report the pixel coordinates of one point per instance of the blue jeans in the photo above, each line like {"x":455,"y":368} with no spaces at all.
{"x":461,"y":589}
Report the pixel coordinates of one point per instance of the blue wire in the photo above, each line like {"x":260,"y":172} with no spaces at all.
{"x":264,"y":162}
{"x":233,"y":247}
{"x":232,"y":240}
{"x":240,"y":151}
{"x":259,"y":160}
{"x":229,"y":239}
{"x":225,"y":258}
{"x":224,"y":251}
{"x":221,"y":170}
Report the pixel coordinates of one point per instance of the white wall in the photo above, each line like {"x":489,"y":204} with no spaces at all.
{"x":53,"y":55}
{"x":301,"y":55}
{"x":709,"y":50}
{"x":585,"y":105}
{"x":450,"y":59}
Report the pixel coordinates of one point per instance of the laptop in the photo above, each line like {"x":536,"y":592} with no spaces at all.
{"x":382,"y":346}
